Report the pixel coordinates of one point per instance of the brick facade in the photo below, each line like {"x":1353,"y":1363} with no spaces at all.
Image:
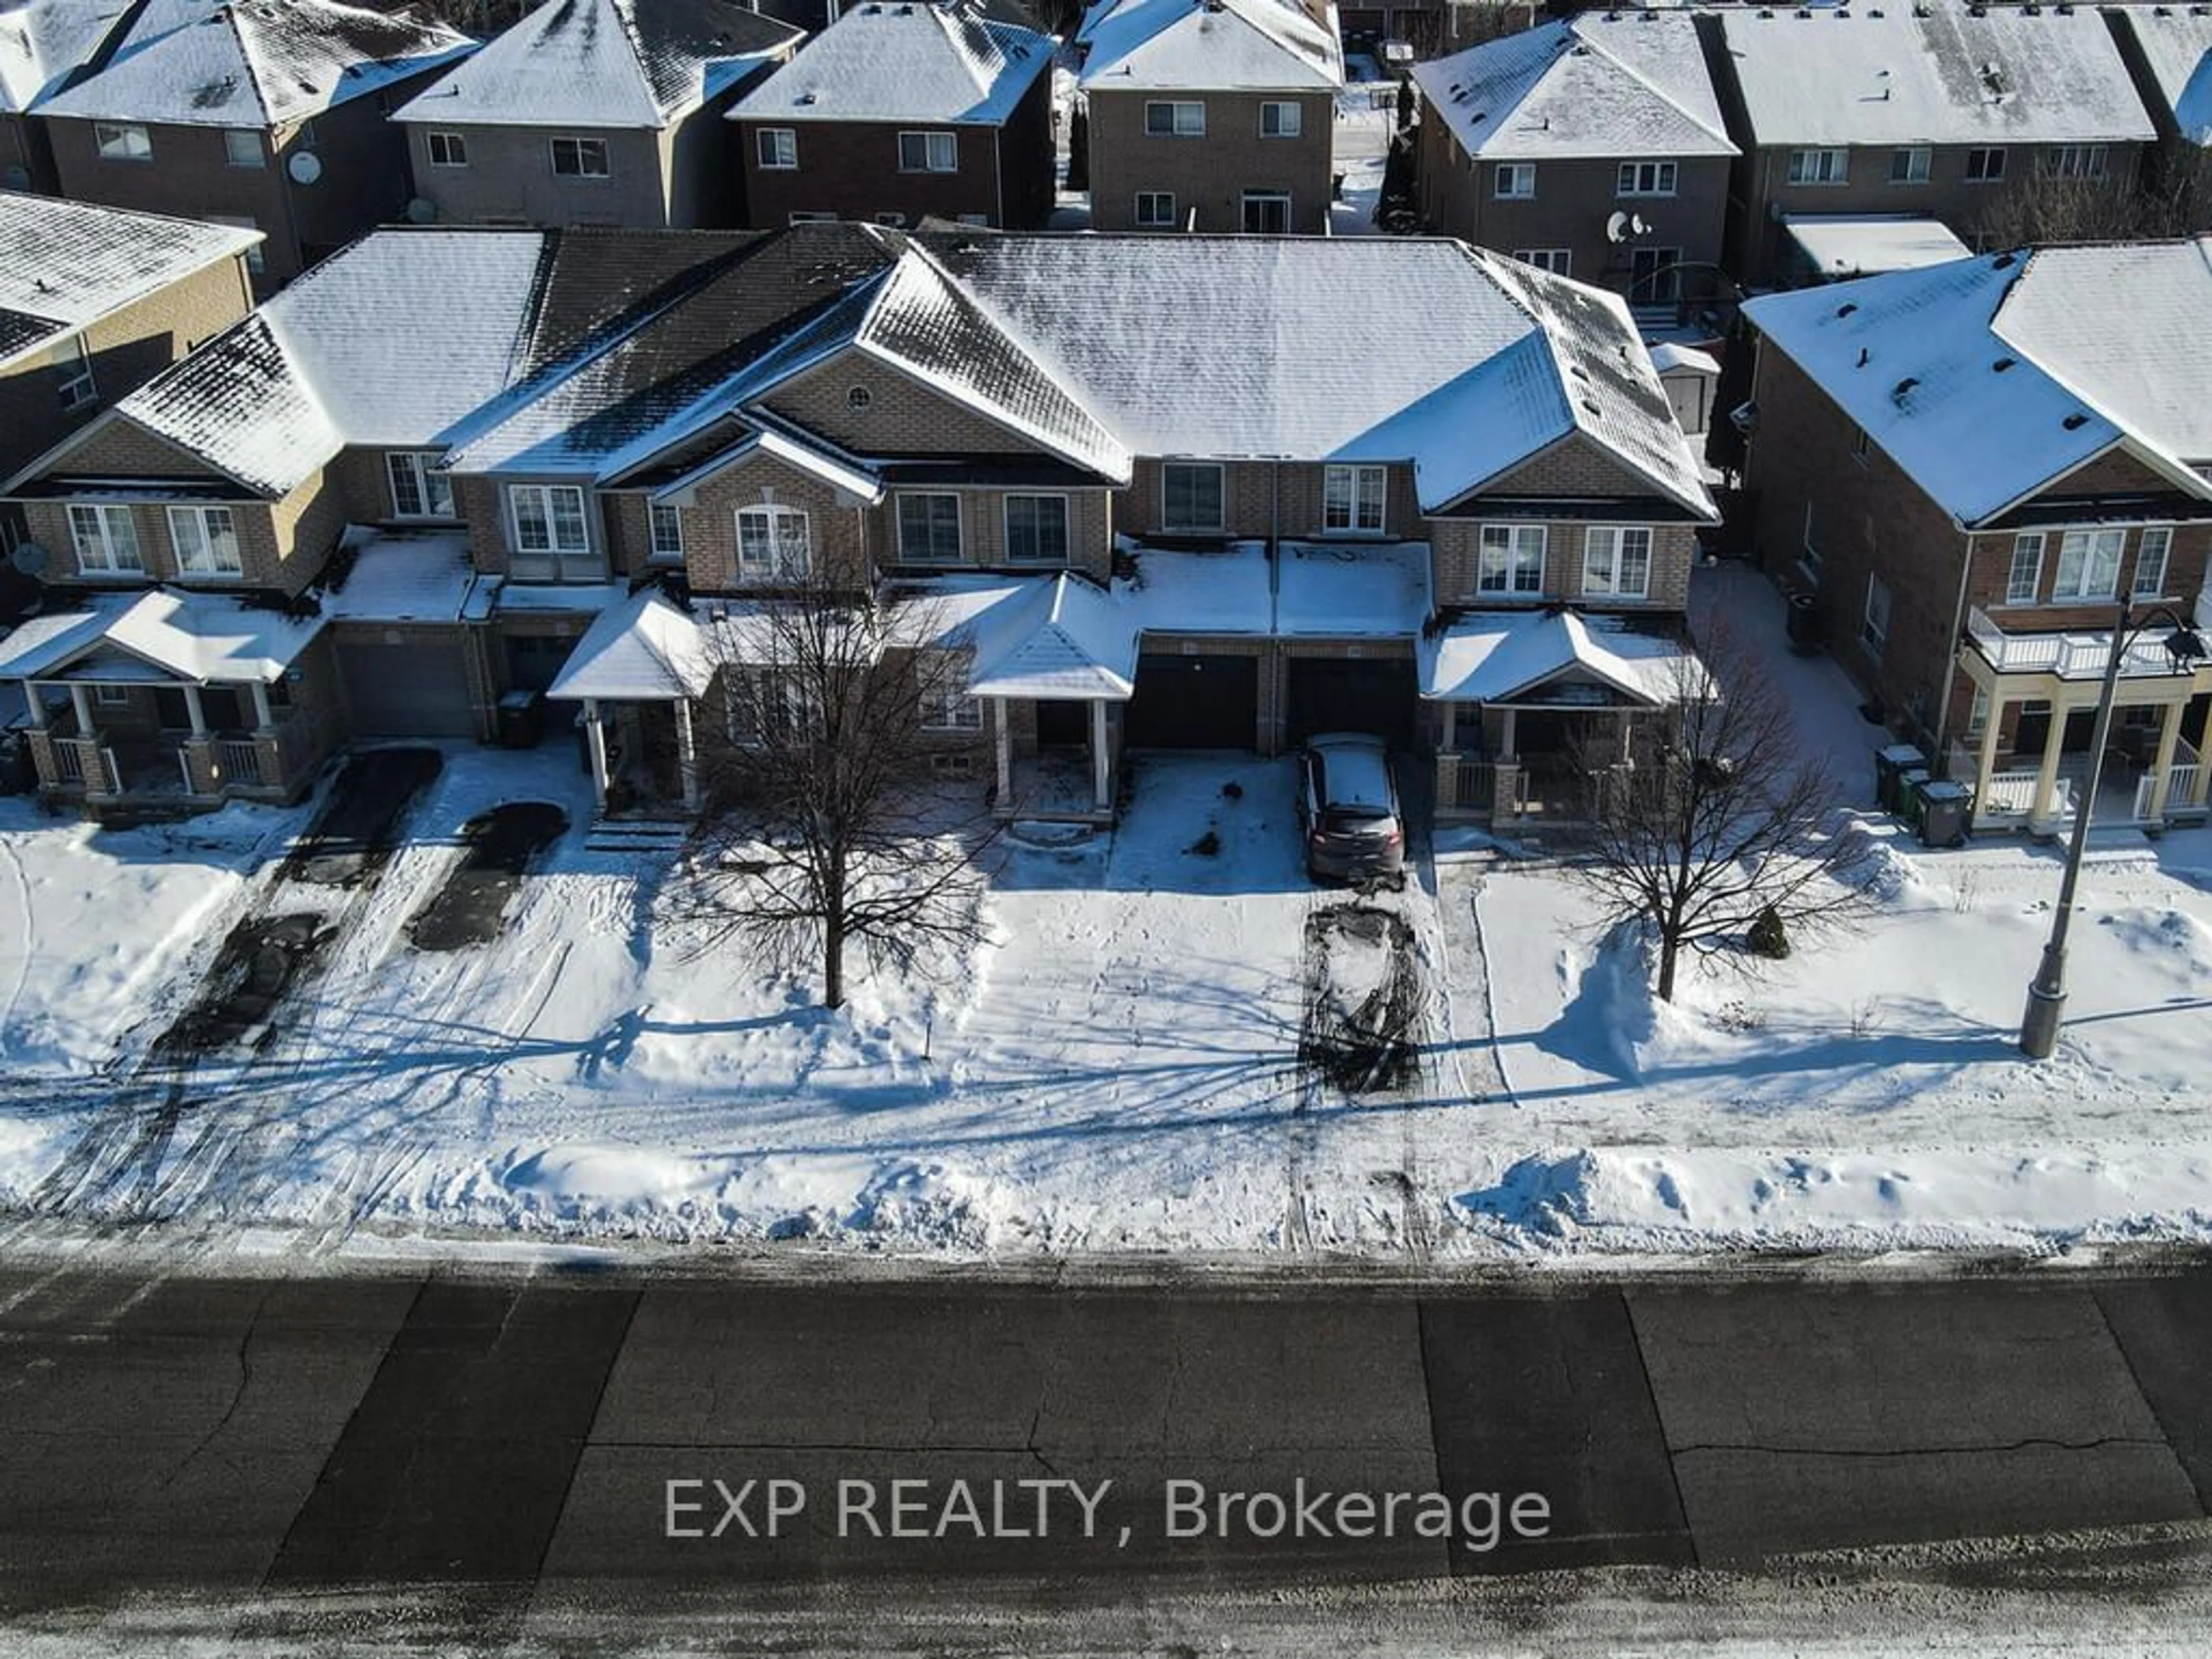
{"x":1209,"y":174}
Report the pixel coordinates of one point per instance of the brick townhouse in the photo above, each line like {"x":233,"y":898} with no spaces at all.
{"x":1211,"y":115}
{"x":594,"y":112}
{"x":1939,"y":111}
{"x":1095,"y":467}
{"x":44,"y":45}
{"x":268,"y":114}
{"x":904,"y":110}
{"x":2168,"y":49}
{"x":1968,"y":466}
{"x":1594,"y":148}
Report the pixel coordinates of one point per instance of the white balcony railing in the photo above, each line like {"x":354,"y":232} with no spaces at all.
{"x":237,"y":762}
{"x":2070,"y":656}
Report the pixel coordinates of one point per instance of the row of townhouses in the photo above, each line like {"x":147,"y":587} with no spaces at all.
{"x":448,"y":467}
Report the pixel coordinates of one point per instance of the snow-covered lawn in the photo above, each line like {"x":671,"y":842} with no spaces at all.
{"x":1119,"y":1067}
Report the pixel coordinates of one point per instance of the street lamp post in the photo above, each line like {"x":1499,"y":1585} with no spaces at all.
{"x":2046,"y":992}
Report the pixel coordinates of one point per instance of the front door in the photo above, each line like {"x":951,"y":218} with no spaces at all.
{"x":1267,"y":213}
{"x":1063,"y":724}
{"x":170,"y":711}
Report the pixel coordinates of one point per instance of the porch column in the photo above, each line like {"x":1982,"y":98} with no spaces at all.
{"x":687,"y":754}
{"x":1099,"y":797}
{"x":1985,"y":760}
{"x":2161,"y":767}
{"x":1506,"y":734}
{"x":35,"y":700}
{"x":1005,"y":736}
{"x":595,"y":735}
{"x":1451,"y":744}
{"x":81,"y":701}
{"x":264,"y":718}
{"x":195,"y":713}
{"x":2046,"y":780}
{"x":2201,"y":790}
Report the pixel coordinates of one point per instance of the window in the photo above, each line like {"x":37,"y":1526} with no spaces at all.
{"x":1809,"y":562}
{"x":1860,"y":451}
{"x":206,"y":540}
{"x":928,"y":527}
{"x":762,"y":703}
{"x":111,"y":697}
{"x":810,"y":218}
{"x":1190,"y":496}
{"x":944,"y":710}
{"x":1559,"y":261}
{"x":1352,"y":498}
{"x":73,"y":379}
{"x":1516,"y":181}
{"x":776,"y":148}
{"x":1645,"y":179}
{"x":1909,"y":166}
{"x":1978,"y":712}
{"x":2076,"y":162}
{"x":1512,"y":559}
{"x":773,"y":541}
{"x":2150,"y":562}
{"x":1654,"y":275}
{"x":549,"y":519}
{"x":241,"y":147}
{"x":2024,"y":578}
{"x":2088,"y":564}
{"x":1984,"y":167}
{"x":107,"y":540}
{"x":666,"y":531}
{"x":1164,"y":120}
{"x":254,"y":262}
{"x":1819,"y":167}
{"x":1155,"y":209}
{"x":891,"y":221}
{"x":1874,"y":628}
{"x":1037,"y":529}
{"x":1267,"y":213}
{"x":1282,"y":120}
{"x":580,"y":158}
{"x":447,"y":150}
{"x":928,"y":152}
{"x":417,"y":491}
{"x":121,"y":141}
{"x":1617,"y":561}
{"x":980,"y":221}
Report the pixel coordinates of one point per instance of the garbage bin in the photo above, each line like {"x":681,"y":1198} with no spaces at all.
{"x":1943,"y":814}
{"x":1802,"y":623}
{"x":1891,"y":764}
{"x":1910,"y":801}
{"x":521,"y":719}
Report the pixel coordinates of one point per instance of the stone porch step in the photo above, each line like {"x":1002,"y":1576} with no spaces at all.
{"x":635,"y":836}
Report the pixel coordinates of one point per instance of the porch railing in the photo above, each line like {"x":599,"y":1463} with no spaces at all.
{"x":1474,"y":783}
{"x":2080,"y":656}
{"x":88,"y":764}
{"x":237,"y":762}
{"x":2010,"y":794}
{"x":69,"y":761}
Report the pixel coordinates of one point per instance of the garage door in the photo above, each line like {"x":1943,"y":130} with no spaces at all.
{"x":417,"y":689}
{"x":1365,"y":694}
{"x":1196,"y":702}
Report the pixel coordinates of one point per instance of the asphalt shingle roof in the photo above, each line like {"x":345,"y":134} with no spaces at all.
{"x":948,"y":63}
{"x":1194,"y":45}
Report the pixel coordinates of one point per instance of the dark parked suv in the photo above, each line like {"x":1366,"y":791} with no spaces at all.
{"x":1349,"y":809}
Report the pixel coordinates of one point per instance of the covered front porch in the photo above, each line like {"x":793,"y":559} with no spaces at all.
{"x":1057,"y":758}
{"x":170,"y":699}
{"x":2026,"y":753}
{"x":1533,"y":711}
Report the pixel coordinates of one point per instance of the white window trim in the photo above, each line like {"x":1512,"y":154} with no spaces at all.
{"x":2021,"y":544}
{"x":2089,"y":162}
{"x":1245,"y":207}
{"x":1831,"y":166}
{"x":655,"y":553}
{"x":1874,"y":634}
{"x":2080,"y":593}
{"x":1137,"y":209}
{"x":900,"y":498}
{"x":2165,"y":533}
{"x":427,"y":484}
{"x":181,"y":516}
{"x":1176,"y":127}
{"x":1665,"y":179}
{"x":786,"y":145}
{"x":1995,"y":177}
{"x":111,"y":697}
{"x":452,"y":140}
{"x":1559,"y":261}
{"x":231,"y":148}
{"x":106,"y":564}
{"x":552,"y":550}
{"x":779,"y":568}
{"x":931,"y":142}
{"x":125,"y":150}
{"x":1516,"y":552}
{"x":1613,"y":587}
{"x":1921,"y":156}
{"x":1357,"y":475}
{"x":1066,"y":526}
{"x":1221,"y":495}
{"x":1297,"y":115}
{"x":1808,"y":560}
{"x":74,"y":382}
{"x":582,"y":141}
{"x":951,"y":711}
{"x":1514,"y":182}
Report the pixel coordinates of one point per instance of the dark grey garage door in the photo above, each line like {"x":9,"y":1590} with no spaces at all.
{"x":1360,"y":693}
{"x":415,"y":690}
{"x":1196,"y":702}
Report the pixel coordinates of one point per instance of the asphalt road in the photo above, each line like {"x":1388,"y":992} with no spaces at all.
{"x":515,"y":1438}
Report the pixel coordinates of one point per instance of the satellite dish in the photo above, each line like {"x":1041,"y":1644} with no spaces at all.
{"x":305,"y":167}
{"x":1637,"y":227}
{"x":422,"y":211}
{"x":29,"y":559}
{"x":1616,"y":228}
{"x":17,"y":176}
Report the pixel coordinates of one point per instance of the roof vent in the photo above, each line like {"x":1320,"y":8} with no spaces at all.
{"x":2002,"y":364}
{"x":2004,"y":262}
{"x":2074,"y":421}
{"x":1862,"y":357}
{"x":1897,"y":393}
{"x":1847,"y":308}
{"x":1591,"y":408}
{"x":804,"y":98}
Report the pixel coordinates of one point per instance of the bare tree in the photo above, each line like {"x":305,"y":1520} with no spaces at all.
{"x":844,"y":804}
{"x":2043,"y":208}
{"x":1719,"y":823}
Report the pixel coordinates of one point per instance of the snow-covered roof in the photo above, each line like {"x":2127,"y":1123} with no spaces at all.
{"x":1986,"y":378}
{"x":1456,"y":359}
{"x":255,"y":62}
{"x":1600,"y":84}
{"x":1351,"y":591}
{"x":643,"y":649}
{"x":1230,"y":592}
{"x":1941,"y":74}
{"x":2177,"y":47}
{"x":1503,"y":655}
{"x":389,"y":342}
{"x":1866,"y":244}
{"x":66,"y":264}
{"x":1194,"y":45}
{"x":1056,"y":635}
{"x":818,"y":460}
{"x":200,"y":637}
{"x":421,"y":575}
{"x":1668,"y":358}
{"x":588,"y":63}
{"x":944,"y":62}
{"x":45,"y":42}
